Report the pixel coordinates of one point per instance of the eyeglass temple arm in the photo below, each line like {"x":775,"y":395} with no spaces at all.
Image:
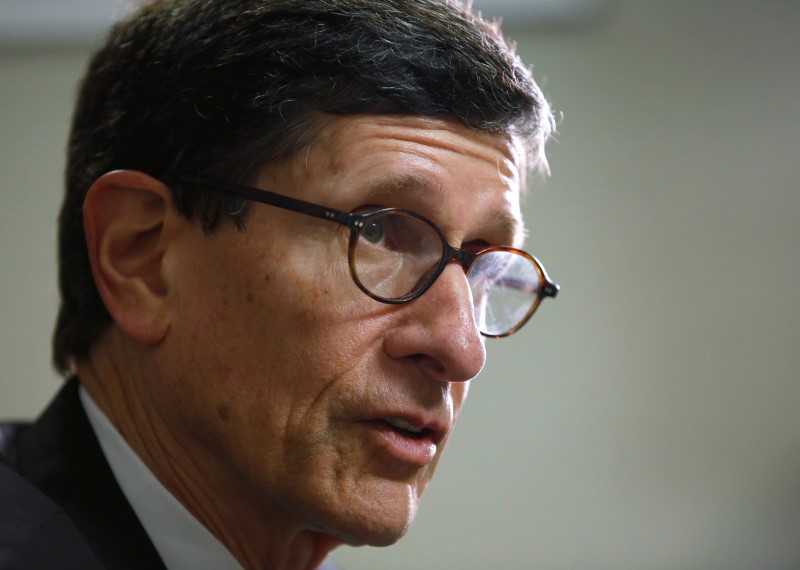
{"x":550,"y":289}
{"x":348,"y":219}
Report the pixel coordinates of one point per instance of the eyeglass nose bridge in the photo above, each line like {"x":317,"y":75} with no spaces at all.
{"x":452,"y":255}
{"x":464,"y":258}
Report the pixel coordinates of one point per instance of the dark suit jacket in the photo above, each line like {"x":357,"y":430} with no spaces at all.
{"x":60,"y":506}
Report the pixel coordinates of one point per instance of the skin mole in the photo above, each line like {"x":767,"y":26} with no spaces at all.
{"x":224,"y":412}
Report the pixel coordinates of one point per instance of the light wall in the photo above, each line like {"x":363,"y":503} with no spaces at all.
{"x":647,"y":418}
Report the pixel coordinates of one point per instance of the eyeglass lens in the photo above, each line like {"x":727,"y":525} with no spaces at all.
{"x":395,"y":255}
{"x":505,"y":290}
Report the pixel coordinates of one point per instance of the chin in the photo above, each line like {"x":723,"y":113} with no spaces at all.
{"x":380,"y":535}
{"x":372,"y":518}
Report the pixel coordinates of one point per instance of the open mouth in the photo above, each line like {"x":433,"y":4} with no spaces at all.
{"x":407,"y":429}
{"x":405,"y":439}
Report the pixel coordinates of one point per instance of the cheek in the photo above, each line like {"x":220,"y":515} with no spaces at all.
{"x":288,"y":326}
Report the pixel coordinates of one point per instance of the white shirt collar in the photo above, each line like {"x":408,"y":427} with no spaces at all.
{"x":180,"y":539}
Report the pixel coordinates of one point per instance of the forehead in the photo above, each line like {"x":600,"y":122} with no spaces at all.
{"x":417,"y":162}
{"x":426,"y":137}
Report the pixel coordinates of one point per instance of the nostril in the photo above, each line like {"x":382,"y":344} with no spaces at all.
{"x":429,"y":363}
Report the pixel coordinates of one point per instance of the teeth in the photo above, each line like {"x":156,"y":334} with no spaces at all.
{"x":403,"y":424}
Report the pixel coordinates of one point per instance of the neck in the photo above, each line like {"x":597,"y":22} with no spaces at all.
{"x":258,"y":534}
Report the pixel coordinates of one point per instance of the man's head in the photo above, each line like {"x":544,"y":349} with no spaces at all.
{"x":247,"y":347}
{"x":224,"y":88}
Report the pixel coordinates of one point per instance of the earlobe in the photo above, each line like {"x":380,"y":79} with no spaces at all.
{"x":130,"y":224}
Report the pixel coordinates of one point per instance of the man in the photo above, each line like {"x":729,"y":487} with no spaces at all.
{"x":288,"y":226}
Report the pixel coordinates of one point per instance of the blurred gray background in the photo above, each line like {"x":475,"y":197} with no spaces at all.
{"x":647,"y":418}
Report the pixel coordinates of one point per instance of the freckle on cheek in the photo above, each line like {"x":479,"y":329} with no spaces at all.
{"x":249,"y":297}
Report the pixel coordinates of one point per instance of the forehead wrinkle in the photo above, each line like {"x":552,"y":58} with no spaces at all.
{"x":426,"y":142}
{"x":505,"y":153}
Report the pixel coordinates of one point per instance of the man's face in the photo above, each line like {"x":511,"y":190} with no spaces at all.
{"x":297,"y":396}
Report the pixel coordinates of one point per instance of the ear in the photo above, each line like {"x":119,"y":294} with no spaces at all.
{"x":130,"y":224}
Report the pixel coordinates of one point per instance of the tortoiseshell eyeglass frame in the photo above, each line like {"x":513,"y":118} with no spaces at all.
{"x":356,"y":222}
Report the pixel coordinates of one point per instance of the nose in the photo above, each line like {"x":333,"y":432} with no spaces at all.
{"x":438,"y":330}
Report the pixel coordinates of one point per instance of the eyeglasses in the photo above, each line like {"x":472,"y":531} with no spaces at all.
{"x":395,"y":255}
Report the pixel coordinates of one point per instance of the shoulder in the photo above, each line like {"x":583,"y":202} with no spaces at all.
{"x":34,"y":531}
{"x":9,"y":431}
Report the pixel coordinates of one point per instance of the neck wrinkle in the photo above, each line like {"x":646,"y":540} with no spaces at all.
{"x":112,"y":375}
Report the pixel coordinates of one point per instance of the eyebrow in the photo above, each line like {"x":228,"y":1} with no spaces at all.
{"x":393,"y":185}
{"x":433,"y":191}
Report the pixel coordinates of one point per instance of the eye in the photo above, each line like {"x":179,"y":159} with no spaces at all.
{"x":374,"y":232}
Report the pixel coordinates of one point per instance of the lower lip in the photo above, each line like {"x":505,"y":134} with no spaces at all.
{"x":410,"y":450}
